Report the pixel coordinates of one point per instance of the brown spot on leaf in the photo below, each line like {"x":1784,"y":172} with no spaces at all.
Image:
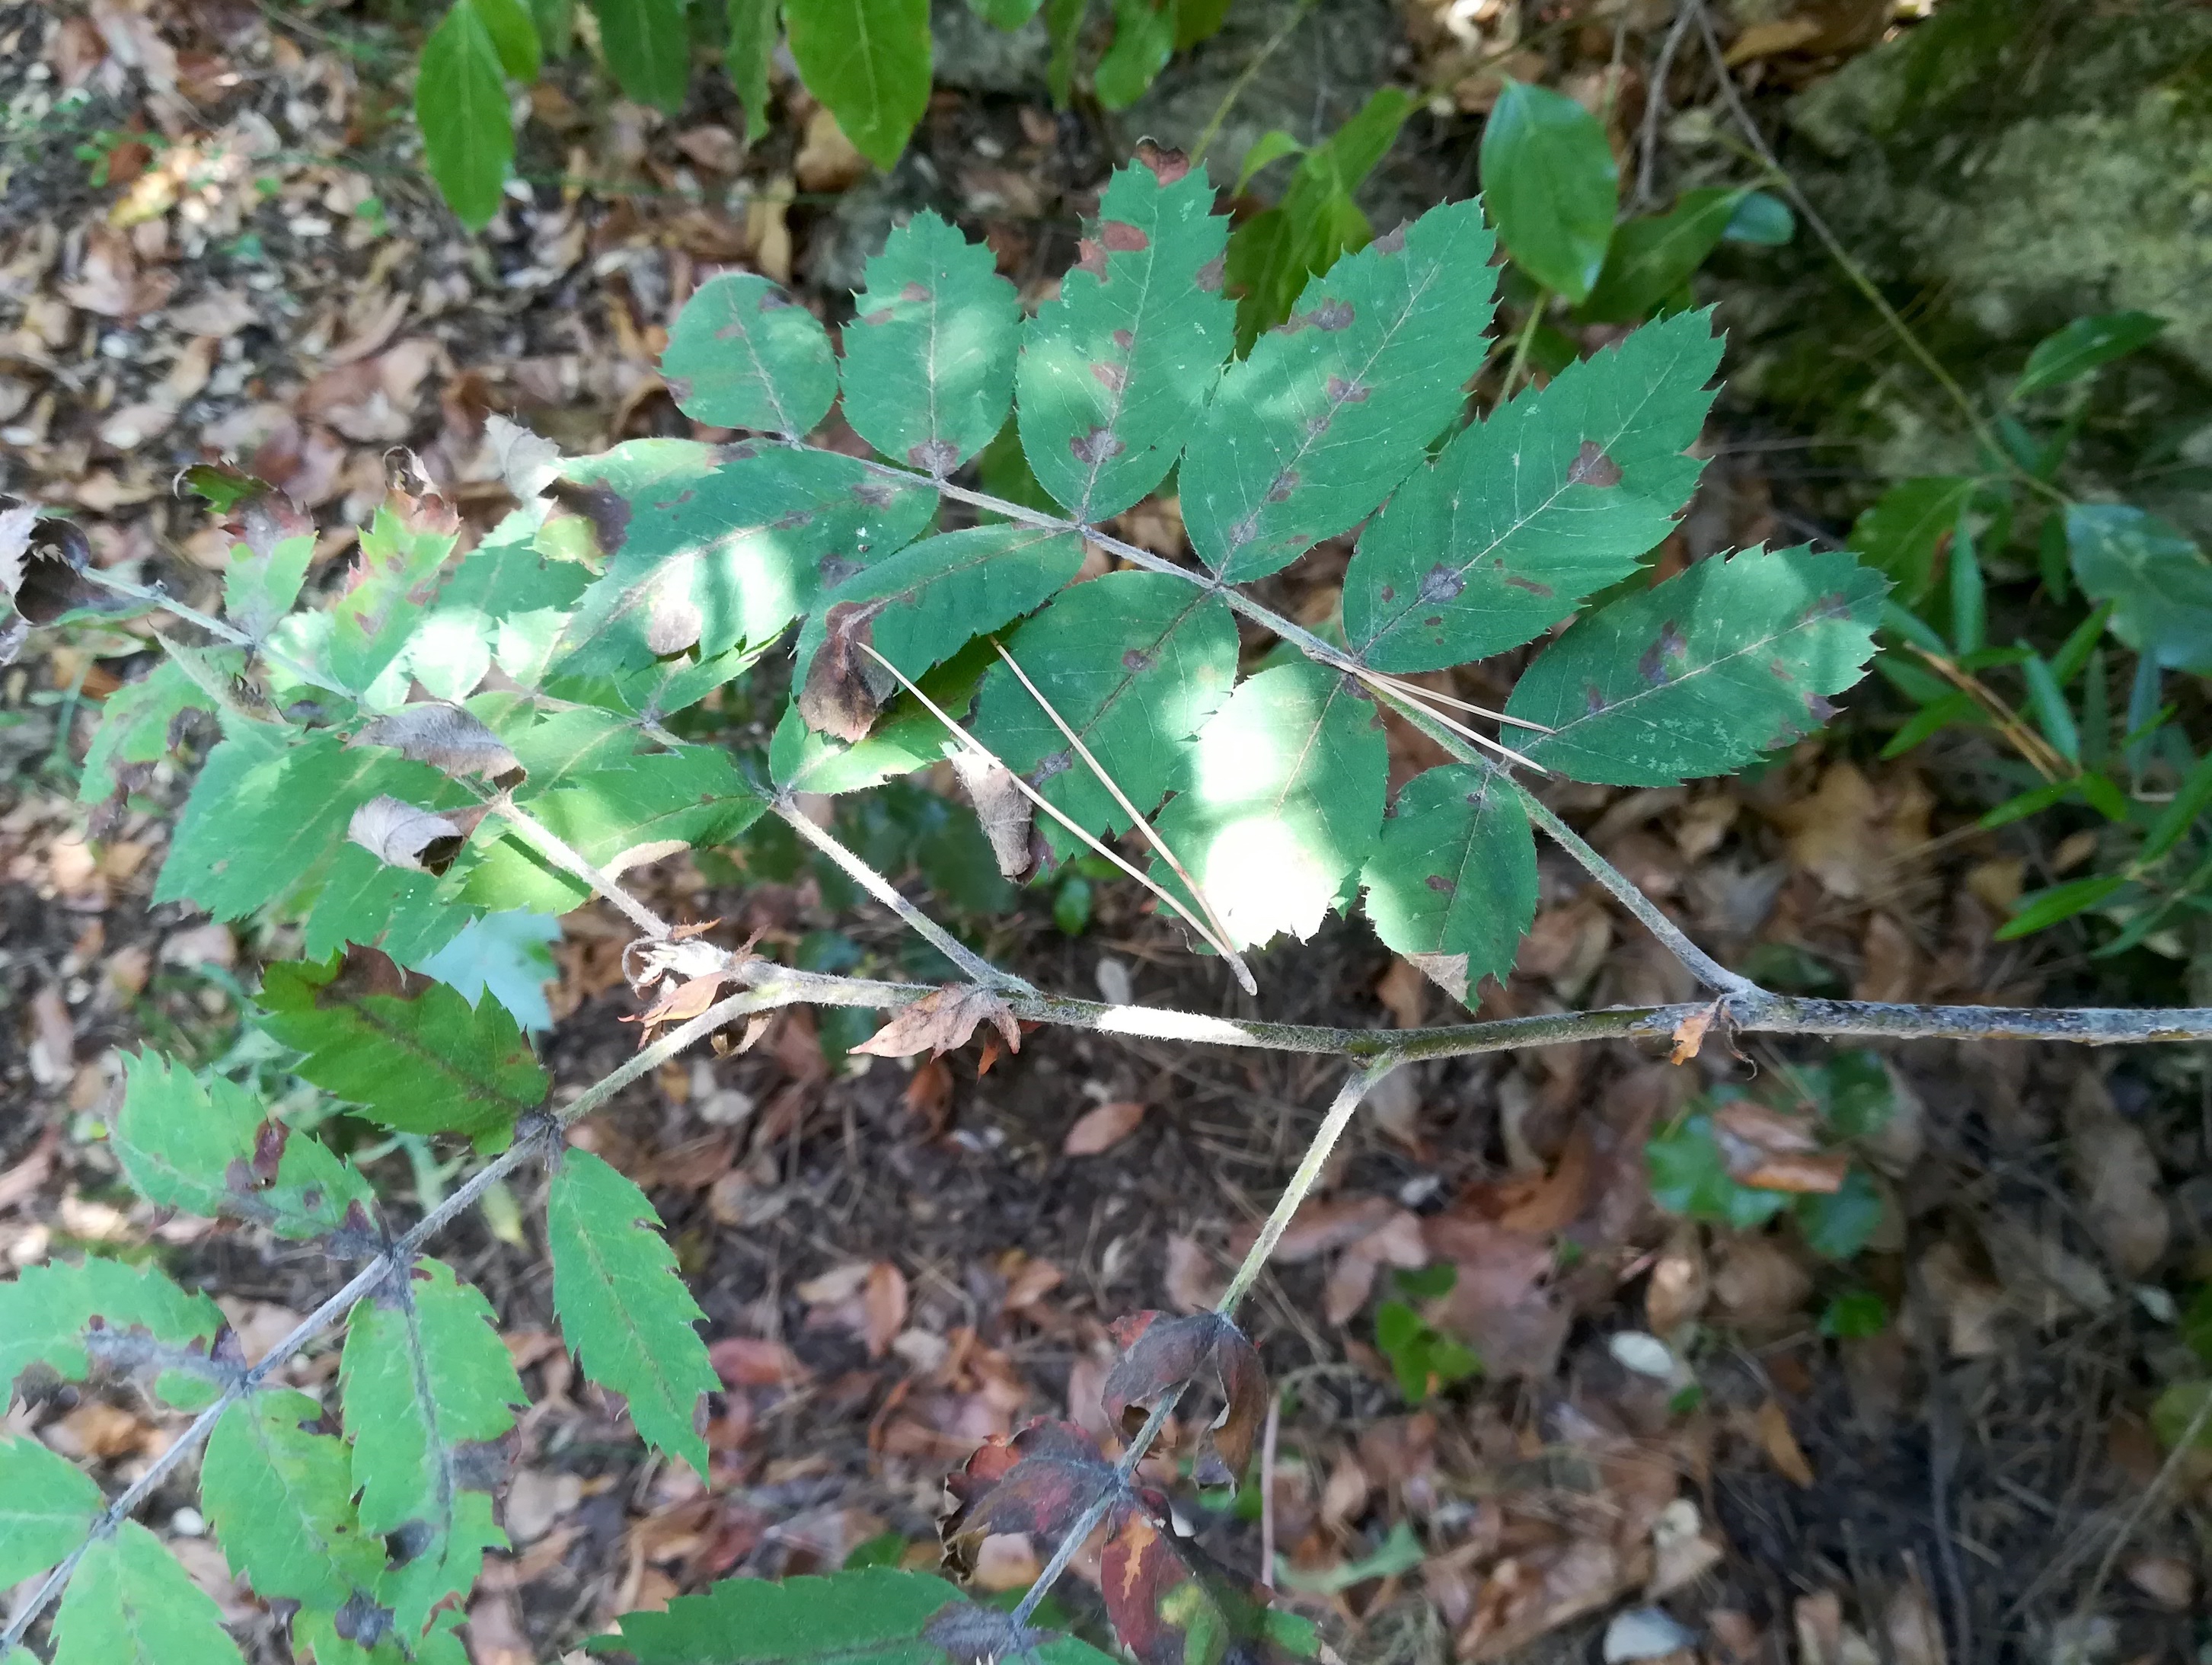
{"x":1090,"y":258}
{"x":1111,"y":376}
{"x":915,"y":292}
{"x":880,"y":316}
{"x":1833,"y":605}
{"x":877,"y":494}
{"x":1392,"y":241}
{"x":1124,"y":339}
{"x":1122,"y":238}
{"x":790,"y":521}
{"x":1440,"y":584}
{"x":939,"y":456}
{"x":1389,"y":592}
{"x":1167,"y":166}
{"x":1652,"y":666}
{"x":1440,"y":884}
{"x":1591,"y":467}
{"x":269,"y":1151}
{"x":1341,"y":391}
{"x":1514,"y":580}
{"x":1095,"y":446}
{"x":1138,"y":661}
{"x":840,"y":694}
{"x":1283,"y":485}
{"x":1593,"y":698}
{"x":1331,"y":315}
{"x":835,"y":569}
{"x":606,"y":509}
{"x":1208,"y":277}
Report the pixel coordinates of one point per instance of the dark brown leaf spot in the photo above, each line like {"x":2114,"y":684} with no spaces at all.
{"x":915,"y":292}
{"x":937,"y":455}
{"x":1090,"y":258}
{"x":1208,"y":277}
{"x":1652,"y":666}
{"x":1389,"y":592}
{"x":1124,"y":339}
{"x":1440,"y":884}
{"x":1392,"y":241}
{"x":844,"y":686}
{"x":1058,"y":764}
{"x":1341,"y":391}
{"x":1111,"y":376}
{"x":1318,"y":425}
{"x":880,"y":316}
{"x":1283,"y":485}
{"x":1833,"y":605}
{"x":1514,"y":580}
{"x":1440,"y":584}
{"x":269,"y":1151}
{"x":1593,"y":698}
{"x":1167,"y":166}
{"x":1095,"y":446}
{"x":835,"y":569}
{"x":877,"y":494}
{"x":1244,"y":531}
{"x":1591,"y":467}
{"x":1122,"y":238}
{"x":1138,"y":661}
{"x":607,"y":510}
{"x":1332,"y":315}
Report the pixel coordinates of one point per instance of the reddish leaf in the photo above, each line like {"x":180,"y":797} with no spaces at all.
{"x":1039,"y":1481}
{"x":1099,"y":1129}
{"x":1161,"y":1353}
{"x":940,"y":1022}
{"x":1172,"y":1604}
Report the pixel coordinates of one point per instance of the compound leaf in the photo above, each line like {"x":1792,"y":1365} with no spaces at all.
{"x":130,"y":1603}
{"x":137,"y":722}
{"x":744,"y":354}
{"x":393,"y":578}
{"x":71,"y":1318}
{"x":1551,"y":499}
{"x":1116,"y":371}
{"x":868,"y":60}
{"x":1452,"y":883}
{"x":205,"y":1146}
{"x":411,"y":1053}
{"x":623,"y":1306}
{"x":1283,"y":802}
{"x":712,"y":549}
{"x":1135,"y":662}
{"x":1702,"y":673}
{"x":426,"y":1384}
{"x":46,"y":1508}
{"x":649,"y":47}
{"x":279,"y":1491}
{"x":917,"y":607}
{"x":929,"y":358}
{"x":1039,"y":1480}
{"x":1331,"y":409}
{"x":1551,"y":185}
{"x":461,"y":103}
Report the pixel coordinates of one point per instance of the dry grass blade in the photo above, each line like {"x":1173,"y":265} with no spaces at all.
{"x":1235,"y":962}
{"x":1414,"y":690}
{"x":965,"y":739}
{"x":1419,"y":697}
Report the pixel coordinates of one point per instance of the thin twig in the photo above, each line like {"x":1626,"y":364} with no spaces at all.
{"x":969,"y":743}
{"x":2148,"y":1499}
{"x":1236,"y":961}
{"x":1396,"y":691}
{"x":529,"y":1142}
{"x":1654,"y":103}
{"x":1267,"y":1437}
{"x":573,"y":862}
{"x":1521,"y":342}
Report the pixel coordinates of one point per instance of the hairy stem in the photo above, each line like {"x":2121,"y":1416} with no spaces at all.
{"x":573,"y":862}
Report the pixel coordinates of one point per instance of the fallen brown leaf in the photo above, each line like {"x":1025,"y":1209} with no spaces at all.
{"x":1781,"y":1445}
{"x":940,"y":1021}
{"x":1101,"y":1129}
{"x":884,"y":1300}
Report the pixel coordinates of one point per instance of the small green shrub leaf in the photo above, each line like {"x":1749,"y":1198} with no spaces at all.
{"x":1144,"y":40}
{"x":624,"y":1310}
{"x":1135,"y":662}
{"x":744,"y":354}
{"x":1702,"y":673}
{"x":205,"y":1147}
{"x":425,"y":1382}
{"x":1452,"y":883}
{"x":1550,"y":180}
{"x":130,"y":1603}
{"x":1283,"y":802}
{"x":868,"y":60}
{"x":2158,"y":580}
{"x":755,"y":27}
{"x":411,"y":1053}
{"x":711,"y":550}
{"x":460,"y":103}
{"x":1838,"y":1224}
{"x":101,"y":1313}
{"x":258,"y":590}
{"x":2085,"y":345}
{"x":1551,"y":499}
{"x":279,"y":1491}
{"x":46,"y":1508}
{"x":1306,"y":435}
{"x":649,"y":47}
{"x":1908,"y":527}
{"x":514,"y":34}
{"x":929,"y":357}
{"x":136,"y":722}
{"x":917,"y":607}
{"x":1690,"y":1176}
{"x":1115,"y":372}
{"x":1650,"y":258}
{"x":395,"y":573}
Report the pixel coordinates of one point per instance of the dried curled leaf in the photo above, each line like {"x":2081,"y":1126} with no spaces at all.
{"x":1690,"y":1033}
{"x":942,"y":1021}
{"x":1160,"y":1354}
{"x":1039,"y":1480}
{"x":1007,"y":814}
{"x":399,"y":834}
{"x":42,"y":565}
{"x":1768,"y":1151}
{"x":446,"y":737}
{"x":845,"y":686}
{"x":527,"y":463}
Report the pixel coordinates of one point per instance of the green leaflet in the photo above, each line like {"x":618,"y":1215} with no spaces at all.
{"x":1908,"y":526}
{"x":744,"y":354}
{"x":146,"y":1322}
{"x":206,"y":1148}
{"x":1452,"y":883}
{"x":1144,"y":41}
{"x":420,"y":1062}
{"x":623,"y":1309}
{"x":1135,"y":662}
{"x":921,"y":605}
{"x":710,"y":549}
{"x":873,"y":1617}
{"x":280,"y":1494}
{"x":1115,"y":372}
{"x":394,"y":576}
{"x":268,"y":817}
{"x":2157,"y":579}
{"x":130,"y":1603}
{"x":46,"y":1508}
{"x":618,"y":817}
{"x":1550,"y":500}
{"x":868,"y":60}
{"x":514,"y":34}
{"x":1283,"y":802}
{"x":315,"y":1636}
{"x":907,"y":737}
{"x":258,"y":590}
{"x":425,"y":1382}
{"x":929,"y":359}
{"x":2083,"y":345}
{"x":755,"y":26}
{"x":461,"y":103}
{"x":1652,"y":258}
{"x":649,"y":47}
{"x":1702,"y":673}
{"x":1550,"y":181}
{"x":366,"y":903}
{"x":135,"y":722}
{"x":1310,"y":432}
{"x":503,"y":603}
